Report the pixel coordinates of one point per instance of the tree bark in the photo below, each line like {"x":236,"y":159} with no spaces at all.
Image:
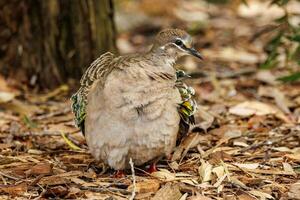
{"x":48,"y":41}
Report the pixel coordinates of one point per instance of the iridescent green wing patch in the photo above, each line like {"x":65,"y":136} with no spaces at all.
{"x":98,"y":70}
{"x":188,"y":106}
{"x":79,"y":109}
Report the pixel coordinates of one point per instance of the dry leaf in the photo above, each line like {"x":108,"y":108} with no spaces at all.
{"x":184,"y":196}
{"x":237,"y":182}
{"x":218,"y":156}
{"x":246,"y":197}
{"x":230,"y":134}
{"x":249,"y":108}
{"x":53,"y":180}
{"x":5,"y":146}
{"x":168,"y":192}
{"x":282,"y":149}
{"x":280,"y":99}
{"x":59,"y":90}
{"x":205,"y":171}
{"x":82,"y":182}
{"x":191,"y":12}
{"x":61,"y":127}
{"x":57,"y":191}
{"x":260,"y":9}
{"x":219,"y":182}
{"x":288,"y":168}
{"x":266,"y":76}
{"x":146,"y":186}
{"x":261,"y":195}
{"x":240,"y":143}
{"x":295,"y":156}
{"x":203,"y":119}
{"x":191,"y":181}
{"x":164,"y":175}
{"x":20,"y":107}
{"x":219,"y":171}
{"x":295,"y":191}
{"x":234,"y":55}
{"x":6,"y":96}
{"x":74,"y":191}
{"x":190,"y":141}
{"x":40,"y":168}
{"x":14,"y":189}
{"x":199,"y":197}
{"x":247,"y":165}
{"x":96,"y":195}
{"x":226,"y":132}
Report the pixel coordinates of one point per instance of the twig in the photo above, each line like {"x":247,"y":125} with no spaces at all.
{"x":223,"y":75}
{"x":49,"y":115}
{"x":37,"y":179}
{"x":8,"y":176}
{"x":262,"y":31}
{"x":134,"y":181}
{"x":42,"y":133}
{"x":39,"y":133}
{"x":269,"y":142}
{"x":101,"y":189}
{"x":41,"y":194}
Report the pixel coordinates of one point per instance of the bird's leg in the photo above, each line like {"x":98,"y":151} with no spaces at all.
{"x":119,"y":174}
{"x":152,"y":168}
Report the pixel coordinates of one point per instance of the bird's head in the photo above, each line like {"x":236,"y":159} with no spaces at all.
{"x":175,"y":43}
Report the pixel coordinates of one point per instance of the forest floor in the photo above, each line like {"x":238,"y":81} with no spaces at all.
{"x":246,"y":141}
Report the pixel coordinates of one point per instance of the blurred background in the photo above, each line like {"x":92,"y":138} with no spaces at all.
{"x":44,"y":44}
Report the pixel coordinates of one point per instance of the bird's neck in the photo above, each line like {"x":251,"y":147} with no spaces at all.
{"x":161,"y":58}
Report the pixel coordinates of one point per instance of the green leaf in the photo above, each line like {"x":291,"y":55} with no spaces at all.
{"x":271,"y":48}
{"x":275,"y":41}
{"x":29,"y":123}
{"x":296,"y":38}
{"x":280,"y":2}
{"x":290,"y":78}
{"x":245,"y":2}
{"x":271,"y":61}
{"x":296,"y":55}
{"x":70,"y":143}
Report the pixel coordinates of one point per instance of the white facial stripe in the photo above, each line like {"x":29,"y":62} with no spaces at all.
{"x":172,"y":44}
{"x":178,"y":46}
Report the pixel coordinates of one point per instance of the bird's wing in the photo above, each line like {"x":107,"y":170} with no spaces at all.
{"x":98,"y":70}
{"x":188,"y":106}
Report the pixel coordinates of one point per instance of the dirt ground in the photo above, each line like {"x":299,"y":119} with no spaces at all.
{"x":245,"y":144}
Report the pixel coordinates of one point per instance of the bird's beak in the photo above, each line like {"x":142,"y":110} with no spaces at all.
{"x":195,"y":53}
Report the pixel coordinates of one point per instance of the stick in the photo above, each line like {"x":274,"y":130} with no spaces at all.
{"x":134,"y":181}
{"x":269,"y":142}
{"x":101,"y":189}
{"x":49,"y":115}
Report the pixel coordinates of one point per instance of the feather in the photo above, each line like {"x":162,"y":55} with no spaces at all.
{"x":188,"y":106}
{"x":97,"y":71}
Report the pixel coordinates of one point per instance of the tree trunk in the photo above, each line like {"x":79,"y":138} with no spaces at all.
{"x":49,"y":41}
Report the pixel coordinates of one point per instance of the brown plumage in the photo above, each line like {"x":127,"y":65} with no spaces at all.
{"x":128,"y":105}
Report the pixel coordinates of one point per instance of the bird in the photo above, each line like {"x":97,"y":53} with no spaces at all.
{"x":130,"y":107}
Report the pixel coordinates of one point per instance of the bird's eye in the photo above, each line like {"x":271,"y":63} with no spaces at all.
{"x":179,"y":42}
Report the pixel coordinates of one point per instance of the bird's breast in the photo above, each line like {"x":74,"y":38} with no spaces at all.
{"x":141,"y":93}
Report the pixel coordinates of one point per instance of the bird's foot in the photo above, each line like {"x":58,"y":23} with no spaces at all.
{"x":119,"y":174}
{"x":152,"y":168}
